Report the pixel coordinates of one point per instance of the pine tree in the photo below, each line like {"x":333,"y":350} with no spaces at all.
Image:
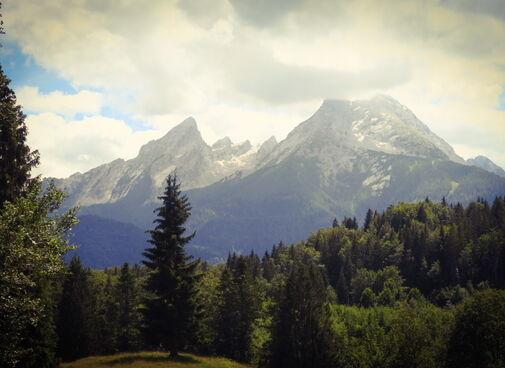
{"x":238,"y":309}
{"x":16,"y":159}
{"x":368,"y":219}
{"x":478,"y":337}
{"x":171,"y":310}
{"x":109,"y":319}
{"x":335,"y":222}
{"x":128,"y":334}
{"x":76,"y":312}
{"x":302,"y":335}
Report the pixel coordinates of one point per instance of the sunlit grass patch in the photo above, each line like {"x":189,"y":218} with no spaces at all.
{"x":151,"y":360}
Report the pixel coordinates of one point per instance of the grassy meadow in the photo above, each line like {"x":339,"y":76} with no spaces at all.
{"x":152,"y":360}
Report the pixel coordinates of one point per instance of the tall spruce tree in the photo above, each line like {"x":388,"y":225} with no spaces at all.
{"x":239,"y":307}
{"x":126,"y":290}
{"x":77,"y":312}
{"x":302,"y":333}
{"x":171,"y":310}
{"x":16,"y":158}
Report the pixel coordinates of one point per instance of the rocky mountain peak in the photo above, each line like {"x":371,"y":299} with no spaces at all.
{"x":182,"y":136}
{"x":243,"y":147}
{"x":222,"y":143}
{"x":485,"y":163}
{"x":379,"y":124}
{"x":268,"y":144}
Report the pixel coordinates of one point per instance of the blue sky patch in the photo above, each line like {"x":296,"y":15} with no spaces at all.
{"x":501,"y":104}
{"x":24,"y":71}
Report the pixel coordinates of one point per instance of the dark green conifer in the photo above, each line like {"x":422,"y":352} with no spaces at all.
{"x":478,"y":338}
{"x":302,"y":335}
{"x":76,"y":313}
{"x":16,"y":158}
{"x":368,"y":219}
{"x":171,"y":310}
{"x":238,"y":309}
{"x":128,"y":332}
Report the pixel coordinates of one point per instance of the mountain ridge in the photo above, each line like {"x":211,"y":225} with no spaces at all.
{"x":347,"y":157}
{"x":485,"y":163}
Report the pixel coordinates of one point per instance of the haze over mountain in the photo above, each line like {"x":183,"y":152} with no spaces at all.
{"x":486,"y":164}
{"x":347,"y":157}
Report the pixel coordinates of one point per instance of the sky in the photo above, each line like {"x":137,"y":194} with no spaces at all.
{"x":99,"y":78}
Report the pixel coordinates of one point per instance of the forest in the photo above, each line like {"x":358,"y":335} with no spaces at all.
{"x":417,"y":285}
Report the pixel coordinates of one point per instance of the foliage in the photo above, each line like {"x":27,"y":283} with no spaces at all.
{"x":238,"y":308}
{"x":302,"y":334}
{"x":16,"y":158}
{"x":128,"y":338}
{"x":478,"y":339}
{"x":377,"y":296}
{"x":77,"y":311}
{"x":171,"y":310}
{"x":32,"y":242}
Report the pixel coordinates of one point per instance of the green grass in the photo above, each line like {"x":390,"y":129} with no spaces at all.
{"x":152,"y":360}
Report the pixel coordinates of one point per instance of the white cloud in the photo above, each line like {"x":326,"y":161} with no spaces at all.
{"x":68,"y":146}
{"x":56,"y":102}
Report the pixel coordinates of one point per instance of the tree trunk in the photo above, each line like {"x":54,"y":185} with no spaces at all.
{"x":174,"y":354}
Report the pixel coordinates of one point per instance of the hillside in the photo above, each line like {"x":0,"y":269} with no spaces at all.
{"x":152,"y":360}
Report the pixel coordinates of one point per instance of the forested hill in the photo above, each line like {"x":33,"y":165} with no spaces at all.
{"x":414,"y":286}
{"x":439,"y":249}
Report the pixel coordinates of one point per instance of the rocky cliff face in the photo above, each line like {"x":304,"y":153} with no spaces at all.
{"x":181,"y":149}
{"x":381,"y":124}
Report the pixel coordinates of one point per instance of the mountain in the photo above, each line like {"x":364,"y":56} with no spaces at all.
{"x":486,"y":164}
{"x":104,"y":242}
{"x":347,"y":157}
{"x":183,"y":148}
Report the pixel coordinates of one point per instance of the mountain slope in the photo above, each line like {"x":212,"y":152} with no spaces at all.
{"x":347,"y":157}
{"x":486,"y":164}
{"x":289,"y":201}
{"x":104,"y":242}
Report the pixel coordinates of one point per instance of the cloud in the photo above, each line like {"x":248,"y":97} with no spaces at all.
{"x":56,"y":102}
{"x":264,"y":12}
{"x":494,"y":8}
{"x":69,"y":146}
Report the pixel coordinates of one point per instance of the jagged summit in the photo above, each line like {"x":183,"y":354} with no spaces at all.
{"x":180,"y":135}
{"x":379,"y":124}
{"x":222,"y":143}
{"x":334,"y":136}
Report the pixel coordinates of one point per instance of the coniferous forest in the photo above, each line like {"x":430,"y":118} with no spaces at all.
{"x":417,"y":285}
